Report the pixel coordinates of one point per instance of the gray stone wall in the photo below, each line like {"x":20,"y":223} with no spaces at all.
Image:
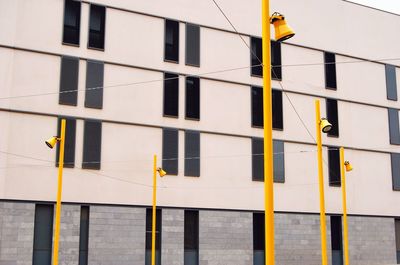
{"x":16,"y":231}
{"x":371,"y":240}
{"x":116,"y":235}
{"x":172,"y":236}
{"x":225,"y":238}
{"x":298,"y":239}
{"x":69,"y":234}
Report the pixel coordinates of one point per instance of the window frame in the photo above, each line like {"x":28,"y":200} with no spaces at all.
{"x":165,"y":41}
{"x":186,"y":98}
{"x":331,"y":171}
{"x":331,"y":119}
{"x":90,"y":164}
{"x":79,"y":28}
{"x":63,"y":101}
{"x":105,"y":23}
{"x":164,"y":94}
{"x":328,"y":66}
{"x":186,"y":45}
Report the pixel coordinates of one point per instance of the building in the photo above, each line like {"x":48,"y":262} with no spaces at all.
{"x":172,"y":78}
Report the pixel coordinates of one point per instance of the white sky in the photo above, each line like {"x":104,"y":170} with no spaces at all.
{"x":387,"y":5}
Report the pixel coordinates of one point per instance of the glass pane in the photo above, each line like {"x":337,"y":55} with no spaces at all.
{"x":191,"y":257}
{"x":259,"y":257}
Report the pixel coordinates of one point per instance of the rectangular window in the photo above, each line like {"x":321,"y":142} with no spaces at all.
{"x":397,"y":231}
{"x":84,"y":236}
{"x":97,"y":25}
{"x":394,"y":126}
{"x":330,"y":70}
{"x":192,"y":45}
{"x":72,"y":22}
{"x":334,"y":166}
{"x":256,"y":56}
{"x":94,"y":84}
{"x":191,"y":240}
{"x":277,"y":109}
{"x":395,"y":160}
{"x":69,"y":145}
{"x":43,"y":234}
{"x":336,"y":240}
{"x":257,"y":147}
{"x":92,"y":145}
{"x":257,"y":108}
{"x":170,"y":151}
{"x":332,"y":116}
{"x":69,"y":81}
{"x":171,"y":95}
{"x":276,"y":60}
{"x":149,"y":223}
{"x":279,"y":161}
{"x":258,"y":239}
{"x":192,"y":153}
{"x":171,"y":41}
{"x":192,"y":98}
{"x":391,"y":86}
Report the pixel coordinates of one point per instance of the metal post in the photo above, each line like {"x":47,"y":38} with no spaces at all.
{"x":321,"y":184}
{"x":153,"y":226}
{"x":343,"y":182}
{"x":268,"y":149}
{"x":59,"y":191}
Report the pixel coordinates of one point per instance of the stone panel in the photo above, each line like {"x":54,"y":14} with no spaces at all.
{"x":172,"y":237}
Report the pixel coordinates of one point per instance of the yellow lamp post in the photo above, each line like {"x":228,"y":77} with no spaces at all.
{"x":51,"y":143}
{"x":344,"y":166}
{"x":153,"y":227}
{"x":282,"y":32}
{"x":324,"y":126}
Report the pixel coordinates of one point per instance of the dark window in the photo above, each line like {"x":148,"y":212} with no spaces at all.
{"x":84,"y":236}
{"x":69,"y":81}
{"x":257,"y":108}
{"x":192,"y":153}
{"x":334,"y":166}
{"x":332,"y":116}
{"x":336,"y":240}
{"x":191,"y":241}
{"x":258,"y":239}
{"x":277,"y":109}
{"x":395,"y":159}
{"x":149,"y":223}
{"x":171,"y":41}
{"x":43,"y":234}
{"x":257,"y":149}
{"x":94,"y":84}
{"x":256,"y":56}
{"x":279,"y":161}
{"x":192,"y":45}
{"x":330,"y":70}
{"x":397,"y":231}
{"x":391,"y":86}
{"x":171,"y":95}
{"x":193,"y":98}
{"x":92,"y":145}
{"x":72,"y":22}
{"x":69,"y":145}
{"x":394,"y":126}
{"x":170,"y":151}
{"x":97,"y":26}
{"x":276,"y":60}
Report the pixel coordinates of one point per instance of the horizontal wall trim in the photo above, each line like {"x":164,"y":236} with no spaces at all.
{"x":241,"y":33}
{"x":188,"y":208}
{"x":182,"y":129}
{"x":201,"y":77}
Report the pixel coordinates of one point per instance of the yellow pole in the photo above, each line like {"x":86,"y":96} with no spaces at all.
{"x":59,"y":190}
{"x":343,"y":182}
{"x":153,"y":227}
{"x":268,"y":152}
{"x":321,"y":184}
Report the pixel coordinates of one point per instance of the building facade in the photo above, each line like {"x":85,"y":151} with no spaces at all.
{"x":136,"y":79}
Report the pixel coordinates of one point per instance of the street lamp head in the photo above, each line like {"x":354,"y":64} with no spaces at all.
{"x":161,"y":172}
{"x":282,"y":30}
{"x":51,"y":142}
{"x":326,"y":126}
{"x":348,"y":166}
